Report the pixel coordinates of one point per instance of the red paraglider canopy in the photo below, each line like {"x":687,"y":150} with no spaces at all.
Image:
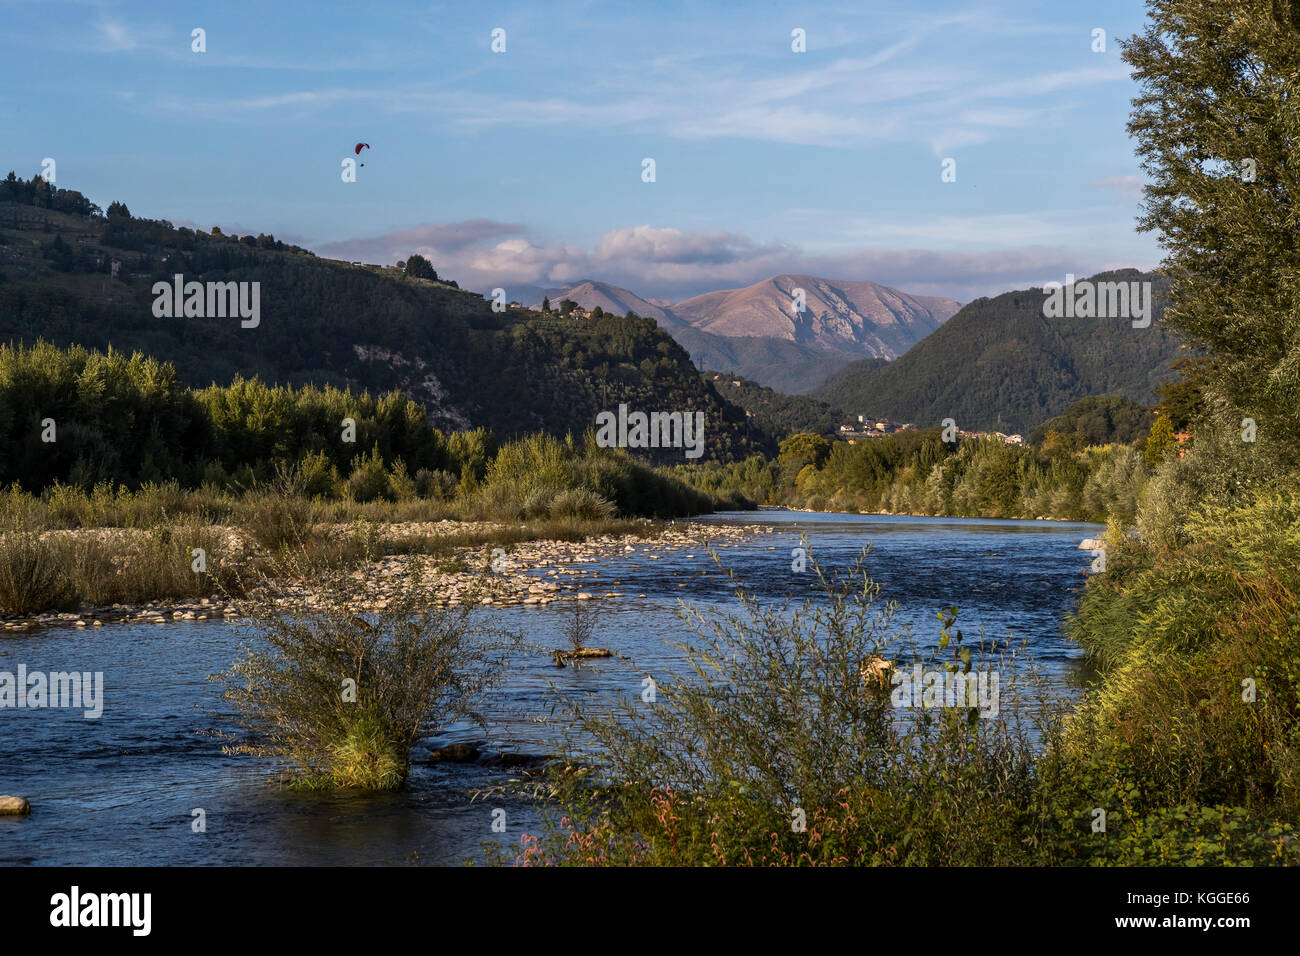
{"x":360,"y":146}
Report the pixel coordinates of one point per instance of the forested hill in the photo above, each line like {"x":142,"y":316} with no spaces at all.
{"x":328,"y":322}
{"x":776,"y":413}
{"x":1000,"y":363}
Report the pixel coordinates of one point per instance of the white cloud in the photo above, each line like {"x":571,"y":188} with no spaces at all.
{"x":658,"y":262}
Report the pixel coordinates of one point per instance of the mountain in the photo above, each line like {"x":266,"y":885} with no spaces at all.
{"x":755,"y":333}
{"x":328,"y":322}
{"x":860,"y":318}
{"x":1001,"y":363}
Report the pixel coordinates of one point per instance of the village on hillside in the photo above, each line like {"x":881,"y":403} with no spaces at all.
{"x":868,"y":426}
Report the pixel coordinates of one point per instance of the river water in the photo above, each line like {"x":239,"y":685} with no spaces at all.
{"x":122,"y":789}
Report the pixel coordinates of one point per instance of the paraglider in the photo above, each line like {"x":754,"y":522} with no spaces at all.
{"x":360,"y":147}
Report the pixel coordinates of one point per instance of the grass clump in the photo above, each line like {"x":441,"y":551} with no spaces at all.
{"x":341,"y":694}
{"x":31,"y":576}
{"x":60,"y":570}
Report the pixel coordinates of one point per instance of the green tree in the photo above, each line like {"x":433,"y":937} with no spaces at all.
{"x":1216,"y":122}
{"x":806,"y":449}
{"x":1160,"y":440}
{"x":418,"y":267}
{"x":1183,"y":399}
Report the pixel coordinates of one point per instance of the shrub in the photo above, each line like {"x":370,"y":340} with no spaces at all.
{"x":276,"y":520}
{"x":537,"y":504}
{"x":401,"y":486}
{"x":369,"y":478}
{"x":580,"y":503}
{"x":317,"y":476}
{"x":440,"y":485}
{"x":579,"y":627}
{"x":343,"y":697}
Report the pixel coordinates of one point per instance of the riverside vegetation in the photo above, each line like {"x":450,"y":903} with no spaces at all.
{"x":1086,"y":464}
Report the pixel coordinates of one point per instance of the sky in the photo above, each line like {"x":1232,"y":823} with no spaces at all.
{"x":525,"y":167}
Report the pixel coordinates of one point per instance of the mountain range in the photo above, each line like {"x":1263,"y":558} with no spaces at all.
{"x":759,"y":332}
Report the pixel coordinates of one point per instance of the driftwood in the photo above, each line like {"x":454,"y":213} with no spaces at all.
{"x":562,"y":656}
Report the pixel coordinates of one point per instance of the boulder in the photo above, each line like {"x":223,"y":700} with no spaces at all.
{"x":455,"y":753}
{"x":14,"y":806}
{"x":876,"y":670}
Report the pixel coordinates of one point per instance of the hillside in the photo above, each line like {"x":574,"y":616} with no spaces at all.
{"x":591,"y":294}
{"x":330,"y":323}
{"x":775,"y":413}
{"x":999,"y":363}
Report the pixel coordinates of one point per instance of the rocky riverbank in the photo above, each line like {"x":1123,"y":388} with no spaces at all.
{"x":530,"y":573}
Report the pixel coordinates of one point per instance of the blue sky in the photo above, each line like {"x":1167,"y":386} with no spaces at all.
{"x":524,"y":167}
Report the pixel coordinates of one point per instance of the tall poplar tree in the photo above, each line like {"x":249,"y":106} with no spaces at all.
{"x":1216,"y":124}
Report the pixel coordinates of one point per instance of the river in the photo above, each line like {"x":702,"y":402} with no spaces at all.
{"x":123,"y":789}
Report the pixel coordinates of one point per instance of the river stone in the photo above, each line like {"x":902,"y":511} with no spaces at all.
{"x":876,"y":669}
{"x":14,"y":806}
{"x":455,"y":753}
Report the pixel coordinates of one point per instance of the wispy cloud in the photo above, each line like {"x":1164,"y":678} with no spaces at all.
{"x":114,"y":36}
{"x":846,"y":102}
{"x":1125,"y":185}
